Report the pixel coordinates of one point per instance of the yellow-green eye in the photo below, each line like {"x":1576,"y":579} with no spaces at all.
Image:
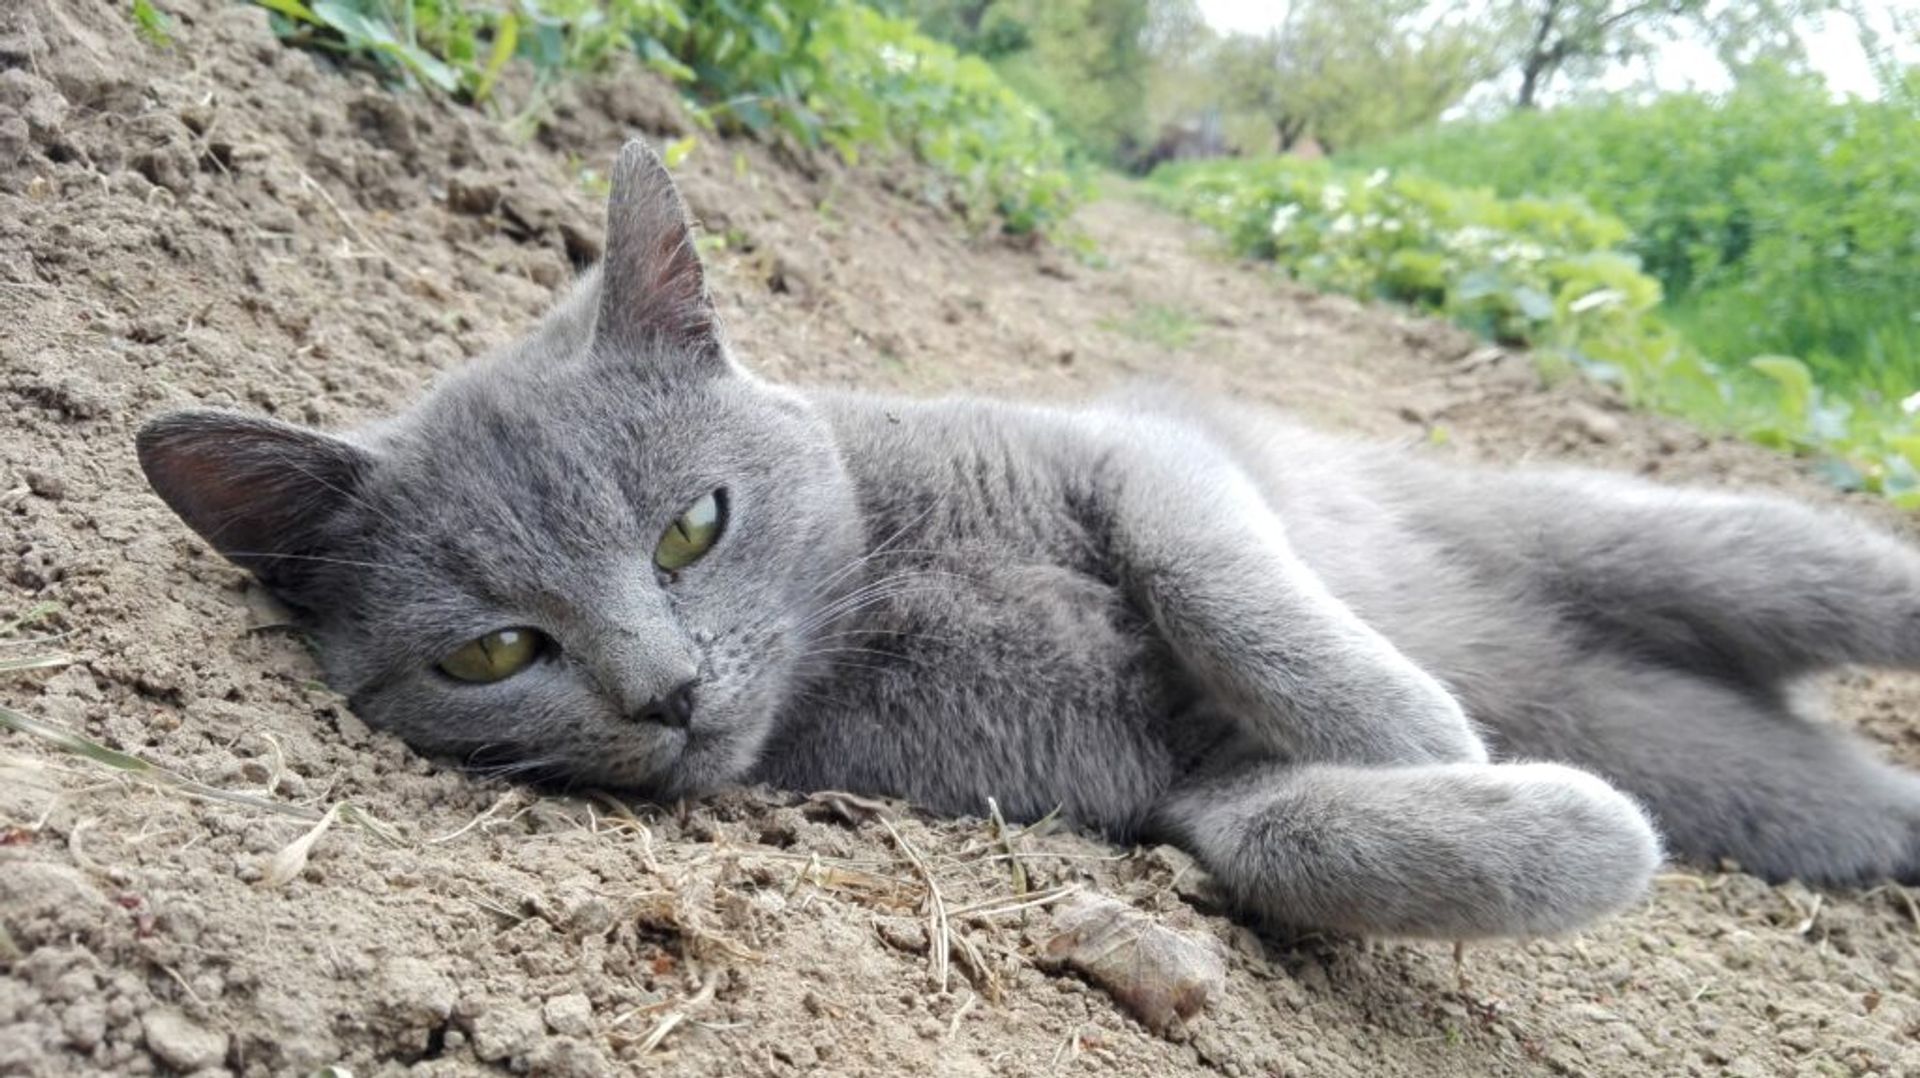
{"x":690,"y":537}
{"x":495,"y":656}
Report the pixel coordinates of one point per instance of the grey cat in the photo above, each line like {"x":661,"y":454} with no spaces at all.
{"x":609,"y":555}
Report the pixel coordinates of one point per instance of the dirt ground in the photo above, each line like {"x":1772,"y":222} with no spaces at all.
{"x":229,"y":222}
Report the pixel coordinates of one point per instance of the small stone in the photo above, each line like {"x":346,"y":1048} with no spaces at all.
{"x":794,"y":278}
{"x":1190,"y":881}
{"x":570,"y":1015}
{"x":1595,"y":425}
{"x":468,"y":195}
{"x":48,"y":485}
{"x":180,"y":1042}
{"x":503,"y":1032}
{"x":416,"y":994}
{"x":902,"y":935}
{"x":85,"y":1024}
{"x":565,"y":1057}
{"x":589,"y":915}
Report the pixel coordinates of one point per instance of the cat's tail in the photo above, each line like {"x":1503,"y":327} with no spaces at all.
{"x":1753,"y":588}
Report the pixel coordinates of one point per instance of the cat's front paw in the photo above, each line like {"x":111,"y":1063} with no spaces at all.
{"x":1590,"y":849}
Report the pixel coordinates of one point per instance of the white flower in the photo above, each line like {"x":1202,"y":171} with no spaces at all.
{"x":896,"y":59}
{"x":1605,"y":297}
{"x":1518,"y":251}
{"x":1342,"y":225}
{"x":1332,"y":198}
{"x":1471,"y":236}
{"x":1283,"y":217}
{"x":1911,"y":405}
{"x":1379,"y":177}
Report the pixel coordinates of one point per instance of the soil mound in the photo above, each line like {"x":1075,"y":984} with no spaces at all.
{"x":226,"y":221}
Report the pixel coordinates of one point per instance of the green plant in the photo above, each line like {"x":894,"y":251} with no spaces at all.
{"x":152,"y":24}
{"x":1778,"y":221}
{"x":823,"y":72}
{"x":1157,"y":324}
{"x":1549,"y":274}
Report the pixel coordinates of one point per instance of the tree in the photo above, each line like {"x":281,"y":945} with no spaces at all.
{"x":1348,"y":73}
{"x":1573,"y":38}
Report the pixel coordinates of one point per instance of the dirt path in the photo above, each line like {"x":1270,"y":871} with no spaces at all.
{"x":230,"y":222}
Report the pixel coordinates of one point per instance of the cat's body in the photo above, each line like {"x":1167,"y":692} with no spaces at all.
{"x":1171,"y":618}
{"x":1003,"y":642}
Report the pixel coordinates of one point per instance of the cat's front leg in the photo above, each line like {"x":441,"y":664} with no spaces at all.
{"x":1446,"y":851}
{"x":1199,"y":549}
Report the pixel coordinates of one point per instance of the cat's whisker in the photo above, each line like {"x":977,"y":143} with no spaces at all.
{"x":306,"y":557}
{"x":864,"y":596}
{"x":883,"y":548}
{"x":865,"y":603}
{"x":870,"y":585}
{"x":900,"y":532}
{"x":891,"y":655}
{"x":915,"y":634}
{"x":864,"y":560}
{"x":874,"y":592}
{"x":845,"y":664}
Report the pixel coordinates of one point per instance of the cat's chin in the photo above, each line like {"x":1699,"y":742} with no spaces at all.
{"x":705,"y":763}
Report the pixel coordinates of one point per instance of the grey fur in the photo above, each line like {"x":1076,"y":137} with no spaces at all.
{"x":1292,"y":654}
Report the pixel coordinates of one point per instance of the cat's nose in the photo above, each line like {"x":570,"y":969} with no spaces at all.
{"x":673,"y":709}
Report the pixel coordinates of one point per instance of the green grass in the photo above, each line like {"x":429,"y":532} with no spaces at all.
{"x":1550,"y":274}
{"x":1157,"y":324}
{"x":830,"y":73}
{"x":152,"y":24}
{"x":1778,"y":221}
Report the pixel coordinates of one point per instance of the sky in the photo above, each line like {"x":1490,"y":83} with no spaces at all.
{"x":1833,"y":49}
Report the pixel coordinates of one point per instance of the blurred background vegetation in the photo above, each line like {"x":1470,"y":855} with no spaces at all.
{"x":1714,"y":204}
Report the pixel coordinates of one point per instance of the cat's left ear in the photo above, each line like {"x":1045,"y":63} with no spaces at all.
{"x":653,"y":292}
{"x":268,"y":495}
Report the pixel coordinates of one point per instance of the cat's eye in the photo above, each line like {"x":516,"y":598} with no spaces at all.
{"x":688,"y":539}
{"x":493,"y":657}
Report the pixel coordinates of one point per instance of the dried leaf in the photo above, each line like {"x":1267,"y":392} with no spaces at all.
{"x":1162,"y":976}
{"x":292,"y":860}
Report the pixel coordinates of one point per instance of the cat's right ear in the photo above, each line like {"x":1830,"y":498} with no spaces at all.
{"x":653,"y":291}
{"x":263,"y":492}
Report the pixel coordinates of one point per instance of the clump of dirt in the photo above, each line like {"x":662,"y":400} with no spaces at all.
{"x":226,"y":221}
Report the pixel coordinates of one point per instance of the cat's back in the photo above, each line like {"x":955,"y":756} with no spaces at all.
{"x":965,"y":470}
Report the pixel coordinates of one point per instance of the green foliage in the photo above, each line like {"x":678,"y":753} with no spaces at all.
{"x":151,"y":22}
{"x":823,"y":72}
{"x":1157,"y":324}
{"x":1549,"y":274}
{"x":891,"y":85}
{"x":1779,"y":222}
{"x":1083,"y":62}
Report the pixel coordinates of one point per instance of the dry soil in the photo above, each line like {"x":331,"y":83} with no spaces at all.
{"x":227,"y":221}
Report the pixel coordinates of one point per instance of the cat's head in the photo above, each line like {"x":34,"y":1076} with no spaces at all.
{"x":594,"y":555}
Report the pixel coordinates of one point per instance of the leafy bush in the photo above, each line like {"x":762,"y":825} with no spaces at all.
{"x":1550,"y":274}
{"x":830,"y":72}
{"x":1779,"y":221}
